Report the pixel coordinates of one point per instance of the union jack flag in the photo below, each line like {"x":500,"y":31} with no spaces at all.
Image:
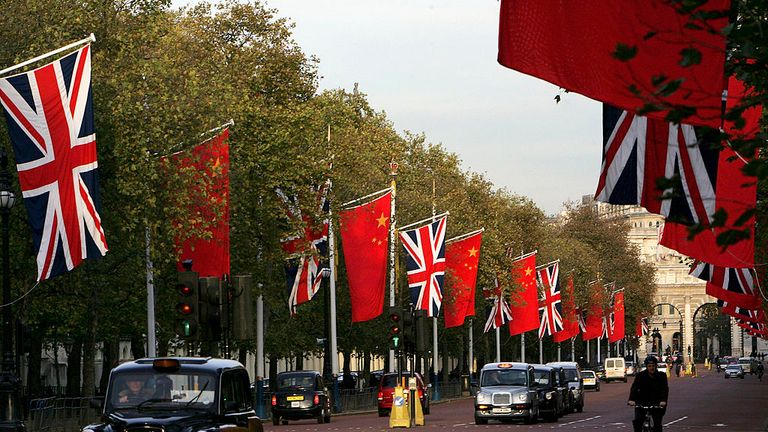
{"x":731,"y":284}
{"x":303,"y":268}
{"x":582,"y":320}
{"x":500,"y":312}
{"x":425,"y":263}
{"x":642,"y":327}
{"x":637,"y":151}
{"x":550,"y":307}
{"x":50,"y":121}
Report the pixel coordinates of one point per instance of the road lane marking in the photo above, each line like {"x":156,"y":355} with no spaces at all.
{"x":459,"y":424}
{"x":579,"y":421}
{"x":675,"y":421}
{"x":719,"y":425}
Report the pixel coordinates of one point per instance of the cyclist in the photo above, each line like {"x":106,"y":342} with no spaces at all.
{"x":649,"y":388}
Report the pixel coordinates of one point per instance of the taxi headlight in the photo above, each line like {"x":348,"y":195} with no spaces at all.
{"x":483,"y":398}
{"x":549,"y":395}
{"x":522,"y":397}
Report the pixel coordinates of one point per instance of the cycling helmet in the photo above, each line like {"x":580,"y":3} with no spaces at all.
{"x":651,"y":359}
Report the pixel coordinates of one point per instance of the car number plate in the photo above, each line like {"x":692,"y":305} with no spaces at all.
{"x":502,"y":410}
{"x":295,"y":404}
{"x":589,"y":381}
{"x":295,"y":398}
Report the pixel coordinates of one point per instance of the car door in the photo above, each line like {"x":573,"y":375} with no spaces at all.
{"x":235,"y":402}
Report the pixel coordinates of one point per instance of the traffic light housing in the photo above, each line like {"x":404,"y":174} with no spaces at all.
{"x":421,"y":322}
{"x":395,"y":328}
{"x":187,"y":308}
{"x":210,"y":315}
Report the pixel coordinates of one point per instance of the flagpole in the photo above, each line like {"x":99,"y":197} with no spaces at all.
{"x":541,"y":351}
{"x":471,"y":348}
{"x":463,"y":236}
{"x":558,"y":352}
{"x":539,"y":267}
{"x":522,"y":347}
{"x":357,"y":200}
{"x":573,"y":349}
{"x":588,"y":360}
{"x":599,"y":342}
{"x":498,"y":344}
{"x":432,"y":219}
{"x":392,"y":240}
{"x":90,"y":38}
{"x":434,"y":320}
{"x":332,"y":263}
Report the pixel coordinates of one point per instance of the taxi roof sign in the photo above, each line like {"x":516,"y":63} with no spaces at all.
{"x":505,"y":365}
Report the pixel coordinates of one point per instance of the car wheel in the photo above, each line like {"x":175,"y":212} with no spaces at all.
{"x":285,"y":422}
{"x":383,"y":413}
{"x":275,"y":420}
{"x":580,"y":407}
{"x":742,"y":377}
{"x":320,"y":418}
{"x":425,"y":410}
{"x":480,"y":421}
{"x":597,"y":388}
{"x":625,"y":380}
{"x":553,"y":418}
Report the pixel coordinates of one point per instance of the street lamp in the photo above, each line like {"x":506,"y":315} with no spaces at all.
{"x":10,"y":406}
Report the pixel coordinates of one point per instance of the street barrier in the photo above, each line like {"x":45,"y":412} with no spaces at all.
{"x":60,"y":414}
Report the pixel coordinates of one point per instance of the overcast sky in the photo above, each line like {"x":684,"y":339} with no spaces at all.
{"x":431,"y":66}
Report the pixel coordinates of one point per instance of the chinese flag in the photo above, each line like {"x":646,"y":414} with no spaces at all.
{"x":461,"y":259}
{"x":365,"y":238}
{"x":570,"y":321}
{"x":524,"y":299}
{"x":210,"y":257}
{"x":617,"y":333}
{"x":736,"y":193}
{"x":572,"y":43}
{"x":594,"y":324}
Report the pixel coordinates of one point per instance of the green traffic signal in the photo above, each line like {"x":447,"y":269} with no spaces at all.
{"x":395,"y":342}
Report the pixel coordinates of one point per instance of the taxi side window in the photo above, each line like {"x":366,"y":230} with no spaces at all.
{"x":531,"y":378}
{"x":235,"y":396}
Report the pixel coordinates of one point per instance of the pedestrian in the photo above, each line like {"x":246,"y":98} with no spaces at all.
{"x":649,"y":389}
{"x":760,"y":371}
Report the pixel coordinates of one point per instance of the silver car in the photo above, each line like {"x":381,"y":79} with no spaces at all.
{"x":507,"y":391}
{"x":734,"y":371}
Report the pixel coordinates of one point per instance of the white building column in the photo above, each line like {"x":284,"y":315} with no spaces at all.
{"x":735,"y":338}
{"x":688,"y":330}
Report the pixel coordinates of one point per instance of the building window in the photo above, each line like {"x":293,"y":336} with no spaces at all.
{"x":658,"y":310}
{"x":671,"y":310}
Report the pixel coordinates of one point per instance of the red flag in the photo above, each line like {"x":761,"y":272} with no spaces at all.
{"x":571,"y":44}
{"x":616,"y":330}
{"x":461,"y":259}
{"x":736,"y":193}
{"x":595,"y":319}
{"x":570,"y":320}
{"x":210,"y":257}
{"x":365,"y":237}
{"x":524,"y":301}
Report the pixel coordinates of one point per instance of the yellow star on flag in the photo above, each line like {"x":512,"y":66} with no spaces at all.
{"x":472,"y":252}
{"x":528,"y":271}
{"x":381,"y":220}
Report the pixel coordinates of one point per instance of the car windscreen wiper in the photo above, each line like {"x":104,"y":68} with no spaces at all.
{"x":194,"y":399}
{"x":143,"y":404}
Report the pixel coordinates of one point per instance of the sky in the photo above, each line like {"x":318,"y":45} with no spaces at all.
{"x":431,"y":67}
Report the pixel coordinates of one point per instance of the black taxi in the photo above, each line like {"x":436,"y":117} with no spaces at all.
{"x":300,"y":395}
{"x":178,"y":394}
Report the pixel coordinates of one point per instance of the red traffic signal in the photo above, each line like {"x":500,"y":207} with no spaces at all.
{"x":184,"y":290}
{"x":395,"y":316}
{"x":183,"y":308}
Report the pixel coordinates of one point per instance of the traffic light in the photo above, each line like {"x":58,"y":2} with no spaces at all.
{"x":421,"y":322}
{"x":210,"y":314}
{"x":187,"y":306}
{"x":242,"y":308}
{"x":395,"y":328}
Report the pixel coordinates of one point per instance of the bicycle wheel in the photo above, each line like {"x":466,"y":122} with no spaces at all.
{"x":648,"y":423}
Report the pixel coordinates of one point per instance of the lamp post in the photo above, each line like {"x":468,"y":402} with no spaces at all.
{"x":10,"y":412}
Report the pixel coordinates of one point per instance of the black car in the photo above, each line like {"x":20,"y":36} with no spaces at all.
{"x":551,"y":405}
{"x":300,"y":395}
{"x":569,"y":403}
{"x":177,"y":394}
{"x":575,"y":382}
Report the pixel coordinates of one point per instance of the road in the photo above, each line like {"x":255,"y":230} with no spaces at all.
{"x":706,"y":403}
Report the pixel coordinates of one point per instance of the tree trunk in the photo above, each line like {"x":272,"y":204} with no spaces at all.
{"x":34,"y":383}
{"x":299,"y":362}
{"x":110,"y":356}
{"x":74,"y":366}
{"x":273,"y":372}
{"x":137,"y":346}
{"x":89,"y":354}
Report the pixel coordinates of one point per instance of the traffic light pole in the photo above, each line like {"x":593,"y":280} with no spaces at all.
{"x":392,"y":244}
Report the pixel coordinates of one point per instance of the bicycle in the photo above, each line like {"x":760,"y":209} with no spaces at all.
{"x":648,"y":423}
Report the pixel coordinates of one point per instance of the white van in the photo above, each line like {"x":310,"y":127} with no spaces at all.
{"x":746,"y":365}
{"x":615,"y":369}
